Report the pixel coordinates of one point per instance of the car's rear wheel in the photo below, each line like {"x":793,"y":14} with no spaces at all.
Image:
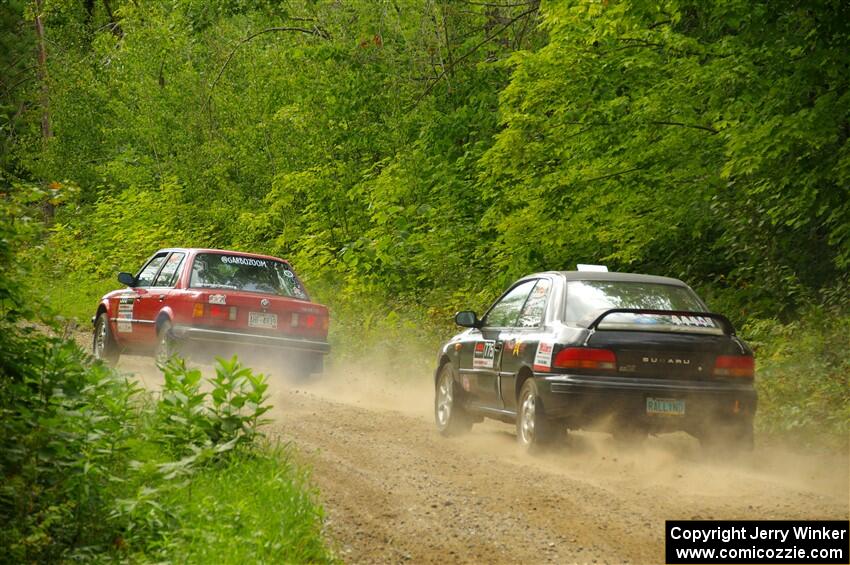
{"x":103,"y":343}
{"x":728,"y":438}
{"x":166,"y":345}
{"x":449,"y":413}
{"x":298,"y":367}
{"x":534,"y":430}
{"x":629,"y":436}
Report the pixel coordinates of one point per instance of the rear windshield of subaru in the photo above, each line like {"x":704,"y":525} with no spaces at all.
{"x":588,"y":299}
{"x":246,"y":274}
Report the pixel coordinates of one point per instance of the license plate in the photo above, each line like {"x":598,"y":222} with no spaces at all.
{"x":262,"y":320}
{"x":672,"y":406}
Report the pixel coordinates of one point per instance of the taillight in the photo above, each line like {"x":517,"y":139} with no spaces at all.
{"x":309,"y":321}
{"x":217,"y":311}
{"x":735,"y":366}
{"x":585,"y":358}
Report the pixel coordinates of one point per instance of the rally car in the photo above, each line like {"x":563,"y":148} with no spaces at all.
{"x":627,"y":353}
{"x":213,"y":301}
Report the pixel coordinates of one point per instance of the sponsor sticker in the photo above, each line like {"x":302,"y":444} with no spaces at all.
{"x":543,"y":357}
{"x":697,"y":321}
{"x":125,"y":324}
{"x":126,"y":304}
{"x":289,"y":273}
{"x":483,"y":355}
{"x":218,"y":299}
{"x":250,"y":261}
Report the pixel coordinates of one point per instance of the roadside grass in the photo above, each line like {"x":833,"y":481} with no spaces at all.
{"x":74,"y":297}
{"x":94,"y":468}
{"x":256,"y":508}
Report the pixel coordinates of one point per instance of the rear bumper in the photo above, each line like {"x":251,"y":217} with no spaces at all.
{"x":588,"y":401}
{"x":203,"y":335}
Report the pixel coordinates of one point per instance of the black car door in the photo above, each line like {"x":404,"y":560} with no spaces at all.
{"x":520,"y":342}
{"x":480,"y":374}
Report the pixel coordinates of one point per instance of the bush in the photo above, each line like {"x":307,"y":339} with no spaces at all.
{"x":187,"y":420}
{"x":803,"y":377}
{"x":67,"y":430}
{"x":92,"y":465}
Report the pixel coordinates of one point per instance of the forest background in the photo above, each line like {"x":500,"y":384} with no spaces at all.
{"x":413,"y":157}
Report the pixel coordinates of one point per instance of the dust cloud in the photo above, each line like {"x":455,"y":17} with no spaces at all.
{"x":674,"y":463}
{"x":395,"y":490}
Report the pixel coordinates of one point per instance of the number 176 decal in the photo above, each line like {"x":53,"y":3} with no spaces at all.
{"x":483,"y":355}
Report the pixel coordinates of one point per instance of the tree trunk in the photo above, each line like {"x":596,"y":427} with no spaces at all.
{"x":46,"y":131}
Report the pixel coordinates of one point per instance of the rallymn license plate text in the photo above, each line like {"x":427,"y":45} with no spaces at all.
{"x":673,"y":406}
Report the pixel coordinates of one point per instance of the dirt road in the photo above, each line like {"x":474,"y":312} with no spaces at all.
{"x":395,"y":491}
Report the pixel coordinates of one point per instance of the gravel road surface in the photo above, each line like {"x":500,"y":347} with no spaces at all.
{"x":395,"y":491}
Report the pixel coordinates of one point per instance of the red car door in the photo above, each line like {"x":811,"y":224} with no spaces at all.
{"x":135,"y":323}
{"x":152,"y":299}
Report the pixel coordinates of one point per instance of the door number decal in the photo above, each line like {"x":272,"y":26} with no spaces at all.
{"x":484,"y":354}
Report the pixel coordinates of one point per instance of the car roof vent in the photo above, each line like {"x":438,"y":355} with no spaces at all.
{"x":594,"y":268}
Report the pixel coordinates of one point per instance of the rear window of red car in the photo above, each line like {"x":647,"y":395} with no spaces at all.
{"x":245,"y":274}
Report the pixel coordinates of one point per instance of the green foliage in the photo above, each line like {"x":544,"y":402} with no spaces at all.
{"x":262,"y":501}
{"x":704,"y":140}
{"x":804,"y":377}
{"x":311,"y":145}
{"x":92,"y":468}
{"x":399,"y":154}
{"x":238,"y":398}
{"x":67,"y":428}
{"x":182,"y":411}
{"x":413,"y":158}
{"x":226,"y":417}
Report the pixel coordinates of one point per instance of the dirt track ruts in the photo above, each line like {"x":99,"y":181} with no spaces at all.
{"x":394,"y":490}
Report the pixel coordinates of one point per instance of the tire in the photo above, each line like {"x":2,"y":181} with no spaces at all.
{"x":534,"y":431}
{"x":729,"y":438}
{"x":449,"y":413}
{"x":104,"y":346}
{"x":166,"y":345}
{"x":298,"y":368}
{"x":629,"y":436}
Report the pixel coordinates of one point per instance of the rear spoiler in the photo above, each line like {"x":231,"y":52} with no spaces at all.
{"x":727,"y":326}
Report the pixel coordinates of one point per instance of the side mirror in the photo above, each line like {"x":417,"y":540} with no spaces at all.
{"x":467,"y":319}
{"x":126,"y":279}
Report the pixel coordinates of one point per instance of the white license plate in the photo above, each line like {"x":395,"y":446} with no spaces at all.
{"x":262,"y":320}
{"x":672,"y":406}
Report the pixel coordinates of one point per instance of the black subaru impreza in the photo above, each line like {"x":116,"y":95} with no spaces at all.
{"x":631,"y":354}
